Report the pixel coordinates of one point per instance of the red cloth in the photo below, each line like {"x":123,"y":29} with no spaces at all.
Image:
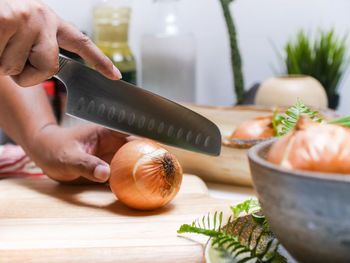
{"x":15,"y":162}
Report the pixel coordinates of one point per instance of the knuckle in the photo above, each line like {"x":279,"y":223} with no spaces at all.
{"x":39,"y":7}
{"x":82,"y":42}
{"x":11,"y":70}
{"x":16,"y":69}
{"x":24,"y":14}
{"x":52,"y":62}
{"x":53,"y":68}
{"x":103,"y":64}
{"x":23,"y":82}
{"x":6,"y":20}
{"x":63,"y":158}
{"x":81,"y":164}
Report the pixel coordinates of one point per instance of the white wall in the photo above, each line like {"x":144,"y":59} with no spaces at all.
{"x":261,"y":24}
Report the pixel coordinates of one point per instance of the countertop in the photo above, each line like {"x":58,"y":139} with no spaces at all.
{"x":230,"y":192}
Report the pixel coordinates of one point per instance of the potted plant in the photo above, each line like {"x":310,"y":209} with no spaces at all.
{"x":323,"y":57}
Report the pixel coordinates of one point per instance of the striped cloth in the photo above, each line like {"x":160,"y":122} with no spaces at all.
{"x":15,"y":162}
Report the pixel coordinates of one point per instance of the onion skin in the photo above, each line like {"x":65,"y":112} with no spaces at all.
{"x":313,"y":146}
{"x":255,"y":129}
{"x":144,"y":175}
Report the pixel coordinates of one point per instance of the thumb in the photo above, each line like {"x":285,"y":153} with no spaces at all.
{"x":90,"y":167}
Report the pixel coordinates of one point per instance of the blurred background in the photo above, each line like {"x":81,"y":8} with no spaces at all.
{"x":262,"y":27}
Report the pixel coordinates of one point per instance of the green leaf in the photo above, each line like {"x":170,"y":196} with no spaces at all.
{"x":246,"y":206}
{"x":345,"y":121}
{"x":185,"y":228}
{"x":284,"y":124}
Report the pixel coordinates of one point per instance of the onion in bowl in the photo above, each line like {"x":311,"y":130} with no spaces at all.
{"x":313,"y":146}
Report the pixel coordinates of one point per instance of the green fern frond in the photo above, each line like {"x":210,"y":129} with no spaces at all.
{"x":193,"y":229}
{"x":285,"y":123}
{"x":245,"y":238}
{"x":247,"y":206}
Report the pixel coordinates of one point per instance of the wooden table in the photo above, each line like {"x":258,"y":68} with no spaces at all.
{"x":43,"y":221}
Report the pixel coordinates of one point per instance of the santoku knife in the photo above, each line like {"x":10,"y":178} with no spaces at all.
{"x":127,"y":108}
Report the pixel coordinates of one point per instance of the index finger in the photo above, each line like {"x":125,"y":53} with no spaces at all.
{"x":71,"y":39}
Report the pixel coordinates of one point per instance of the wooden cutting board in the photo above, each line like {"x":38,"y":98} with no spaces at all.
{"x":43,"y":221}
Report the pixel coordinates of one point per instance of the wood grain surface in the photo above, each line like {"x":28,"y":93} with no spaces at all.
{"x":43,"y":221}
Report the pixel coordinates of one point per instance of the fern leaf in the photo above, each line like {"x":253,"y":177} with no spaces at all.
{"x":220,"y":220}
{"x":227,"y":225}
{"x":208,"y":221}
{"x":216,"y":213}
{"x":285,"y":124}
{"x":185,"y":228}
{"x":246,"y":206}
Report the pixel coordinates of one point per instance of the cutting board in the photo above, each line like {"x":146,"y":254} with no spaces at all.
{"x":44,"y":221}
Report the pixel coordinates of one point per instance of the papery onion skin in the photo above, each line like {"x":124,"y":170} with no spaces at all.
{"x":144,"y":175}
{"x":313,"y":146}
{"x":255,"y":129}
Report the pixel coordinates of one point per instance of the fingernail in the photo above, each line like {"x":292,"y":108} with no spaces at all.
{"x":117,"y":72}
{"x":102,"y":172}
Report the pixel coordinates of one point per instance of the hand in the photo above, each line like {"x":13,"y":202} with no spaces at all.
{"x":30,"y":34}
{"x":70,"y":154}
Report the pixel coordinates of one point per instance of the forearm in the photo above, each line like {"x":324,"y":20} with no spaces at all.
{"x":23,"y":111}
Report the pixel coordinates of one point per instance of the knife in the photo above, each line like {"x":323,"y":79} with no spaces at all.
{"x":124,"y":107}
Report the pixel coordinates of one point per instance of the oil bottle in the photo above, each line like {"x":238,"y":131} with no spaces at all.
{"x":110,"y":33}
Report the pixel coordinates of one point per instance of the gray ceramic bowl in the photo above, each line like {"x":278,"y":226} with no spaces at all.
{"x":309,"y":212}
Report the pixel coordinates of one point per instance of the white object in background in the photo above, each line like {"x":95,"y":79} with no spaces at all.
{"x":284,"y":91}
{"x":168,"y":55}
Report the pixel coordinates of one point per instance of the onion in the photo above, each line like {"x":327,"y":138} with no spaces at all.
{"x":313,"y":146}
{"x":255,"y":129}
{"x":144,"y":175}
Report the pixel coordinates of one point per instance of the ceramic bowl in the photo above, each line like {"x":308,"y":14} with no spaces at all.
{"x":309,"y":212}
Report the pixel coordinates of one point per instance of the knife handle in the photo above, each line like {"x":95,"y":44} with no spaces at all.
{"x":62,"y":62}
{"x":66,"y":69}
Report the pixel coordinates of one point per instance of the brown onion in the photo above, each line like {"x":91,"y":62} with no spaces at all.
{"x":255,"y":129}
{"x":144,"y":175}
{"x":313,"y":146}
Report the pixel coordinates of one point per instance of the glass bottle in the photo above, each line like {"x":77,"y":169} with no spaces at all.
{"x":111,"y":25}
{"x":168,"y":54}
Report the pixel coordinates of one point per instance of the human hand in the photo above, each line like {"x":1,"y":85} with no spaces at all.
{"x":31,"y":33}
{"x":71,"y":154}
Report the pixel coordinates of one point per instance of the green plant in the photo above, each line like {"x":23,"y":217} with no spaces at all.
{"x":243,"y":238}
{"x":236,"y":60}
{"x":325,"y":58}
{"x":284,"y":123}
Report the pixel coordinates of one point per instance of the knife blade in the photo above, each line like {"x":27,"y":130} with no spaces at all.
{"x":124,"y":107}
